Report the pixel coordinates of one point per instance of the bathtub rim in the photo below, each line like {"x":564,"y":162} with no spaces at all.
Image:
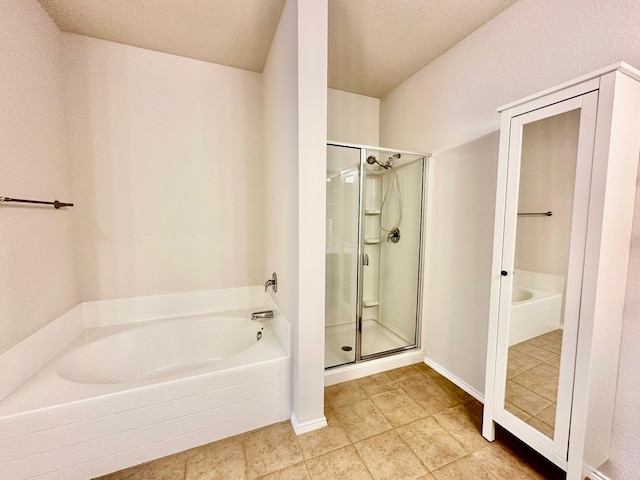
{"x":538,"y":295}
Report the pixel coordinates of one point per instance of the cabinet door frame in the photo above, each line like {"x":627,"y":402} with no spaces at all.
{"x":585,"y":98}
{"x":612,"y":200}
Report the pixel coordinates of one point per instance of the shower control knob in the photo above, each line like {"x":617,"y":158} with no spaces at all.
{"x":503,"y":273}
{"x":394,"y":235}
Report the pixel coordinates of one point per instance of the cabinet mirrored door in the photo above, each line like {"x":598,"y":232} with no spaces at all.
{"x":546,"y":209}
{"x":565,"y":197}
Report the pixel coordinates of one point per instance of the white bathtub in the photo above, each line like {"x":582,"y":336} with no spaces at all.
{"x":536,"y":306}
{"x":162,"y":350}
{"x":123,"y":393}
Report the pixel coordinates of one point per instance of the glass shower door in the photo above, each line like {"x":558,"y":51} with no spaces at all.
{"x":341,"y":301}
{"x":392,"y":218}
{"x":373,"y":252}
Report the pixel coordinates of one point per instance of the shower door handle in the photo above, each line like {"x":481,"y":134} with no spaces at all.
{"x":365,"y":259}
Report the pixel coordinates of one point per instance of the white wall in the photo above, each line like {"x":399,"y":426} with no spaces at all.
{"x":168,"y":166}
{"x":295,"y":92}
{"x":455,"y":315}
{"x":281,"y":161}
{"x":352,"y":118}
{"x":624,"y":462}
{"x":37,"y":266}
{"x":308,"y":398}
{"x":532,"y":45}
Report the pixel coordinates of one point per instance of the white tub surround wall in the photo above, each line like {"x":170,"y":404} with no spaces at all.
{"x":53,"y":428}
{"x":540,"y":281}
{"x":539,"y":311}
{"x":37,"y":258}
{"x":27,"y":357}
{"x":167,"y":170}
{"x":295,"y":123}
{"x":449,"y":108}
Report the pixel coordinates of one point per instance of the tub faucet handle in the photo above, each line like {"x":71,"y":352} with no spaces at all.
{"x":262,"y":314}
{"x":272,"y":282}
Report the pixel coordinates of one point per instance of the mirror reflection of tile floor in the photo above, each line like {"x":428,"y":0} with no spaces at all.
{"x":532,"y":380}
{"x":407,"y":423}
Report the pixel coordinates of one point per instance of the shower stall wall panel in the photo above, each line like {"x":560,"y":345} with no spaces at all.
{"x":400,"y":261}
{"x":372,"y":245}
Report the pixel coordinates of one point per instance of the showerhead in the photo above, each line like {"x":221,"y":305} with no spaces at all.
{"x":371,"y":160}
{"x":392,"y":159}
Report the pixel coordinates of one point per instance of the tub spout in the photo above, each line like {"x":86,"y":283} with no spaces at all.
{"x":263,"y":314}
{"x":272,"y":282}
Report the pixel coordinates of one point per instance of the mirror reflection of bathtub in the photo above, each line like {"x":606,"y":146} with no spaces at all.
{"x":536,"y":305}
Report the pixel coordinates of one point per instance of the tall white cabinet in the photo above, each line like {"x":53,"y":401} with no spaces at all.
{"x":566,"y":191}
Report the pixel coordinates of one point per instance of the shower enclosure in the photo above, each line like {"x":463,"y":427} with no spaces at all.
{"x":375,"y":214}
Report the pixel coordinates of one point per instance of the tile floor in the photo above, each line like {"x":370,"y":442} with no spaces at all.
{"x":533,"y":367}
{"x":408,"y":423}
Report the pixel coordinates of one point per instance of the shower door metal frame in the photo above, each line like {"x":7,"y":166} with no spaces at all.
{"x":360,"y":266}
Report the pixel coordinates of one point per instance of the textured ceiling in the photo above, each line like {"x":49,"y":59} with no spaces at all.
{"x":237,"y":33}
{"x":373,"y":44}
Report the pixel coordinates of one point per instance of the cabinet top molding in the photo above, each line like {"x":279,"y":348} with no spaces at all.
{"x":620,"y":66}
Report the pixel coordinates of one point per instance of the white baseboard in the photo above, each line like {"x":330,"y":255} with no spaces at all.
{"x":455,"y":380}
{"x":308,"y":426}
{"x":593,"y":473}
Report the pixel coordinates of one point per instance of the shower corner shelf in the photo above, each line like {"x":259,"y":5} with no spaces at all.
{"x":372,"y":211}
{"x":371,"y":241}
{"x":370,"y":302}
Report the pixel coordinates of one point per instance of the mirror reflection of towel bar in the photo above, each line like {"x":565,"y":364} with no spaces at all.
{"x":536,"y":214}
{"x":55,"y":203}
